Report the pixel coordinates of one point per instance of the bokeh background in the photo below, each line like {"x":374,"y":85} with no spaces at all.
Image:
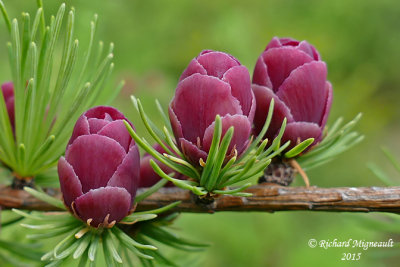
{"x":359,"y":40}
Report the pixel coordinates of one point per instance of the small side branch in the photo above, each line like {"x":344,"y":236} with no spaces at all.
{"x":267,"y":198}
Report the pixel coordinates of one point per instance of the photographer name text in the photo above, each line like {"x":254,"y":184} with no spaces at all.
{"x":350,"y":243}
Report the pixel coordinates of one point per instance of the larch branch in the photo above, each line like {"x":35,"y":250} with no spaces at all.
{"x":267,"y":198}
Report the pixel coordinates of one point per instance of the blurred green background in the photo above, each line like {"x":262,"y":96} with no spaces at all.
{"x":359,"y":40}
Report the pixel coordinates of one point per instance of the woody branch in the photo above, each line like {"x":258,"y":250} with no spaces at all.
{"x":267,"y":198}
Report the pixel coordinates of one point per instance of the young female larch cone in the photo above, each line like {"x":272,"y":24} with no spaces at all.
{"x":214,"y":83}
{"x":99,"y":174}
{"x":292,"y":73}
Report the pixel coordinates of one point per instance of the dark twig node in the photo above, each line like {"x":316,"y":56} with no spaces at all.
{"x":206,"y":201}
{"x":278,"y":172}
{"x":20,"y":183}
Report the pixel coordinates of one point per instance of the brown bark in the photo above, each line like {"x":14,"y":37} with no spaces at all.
{"x":265,"y":198}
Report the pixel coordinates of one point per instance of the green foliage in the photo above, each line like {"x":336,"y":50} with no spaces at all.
{"x":24,"y":251}
{"x":382,"y":175}
{"x":159,"y":231}
{"x":46,"y":198}
{"x":299,"y":148}
{"x":338,"y":140}
{"x":54,"y":83}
